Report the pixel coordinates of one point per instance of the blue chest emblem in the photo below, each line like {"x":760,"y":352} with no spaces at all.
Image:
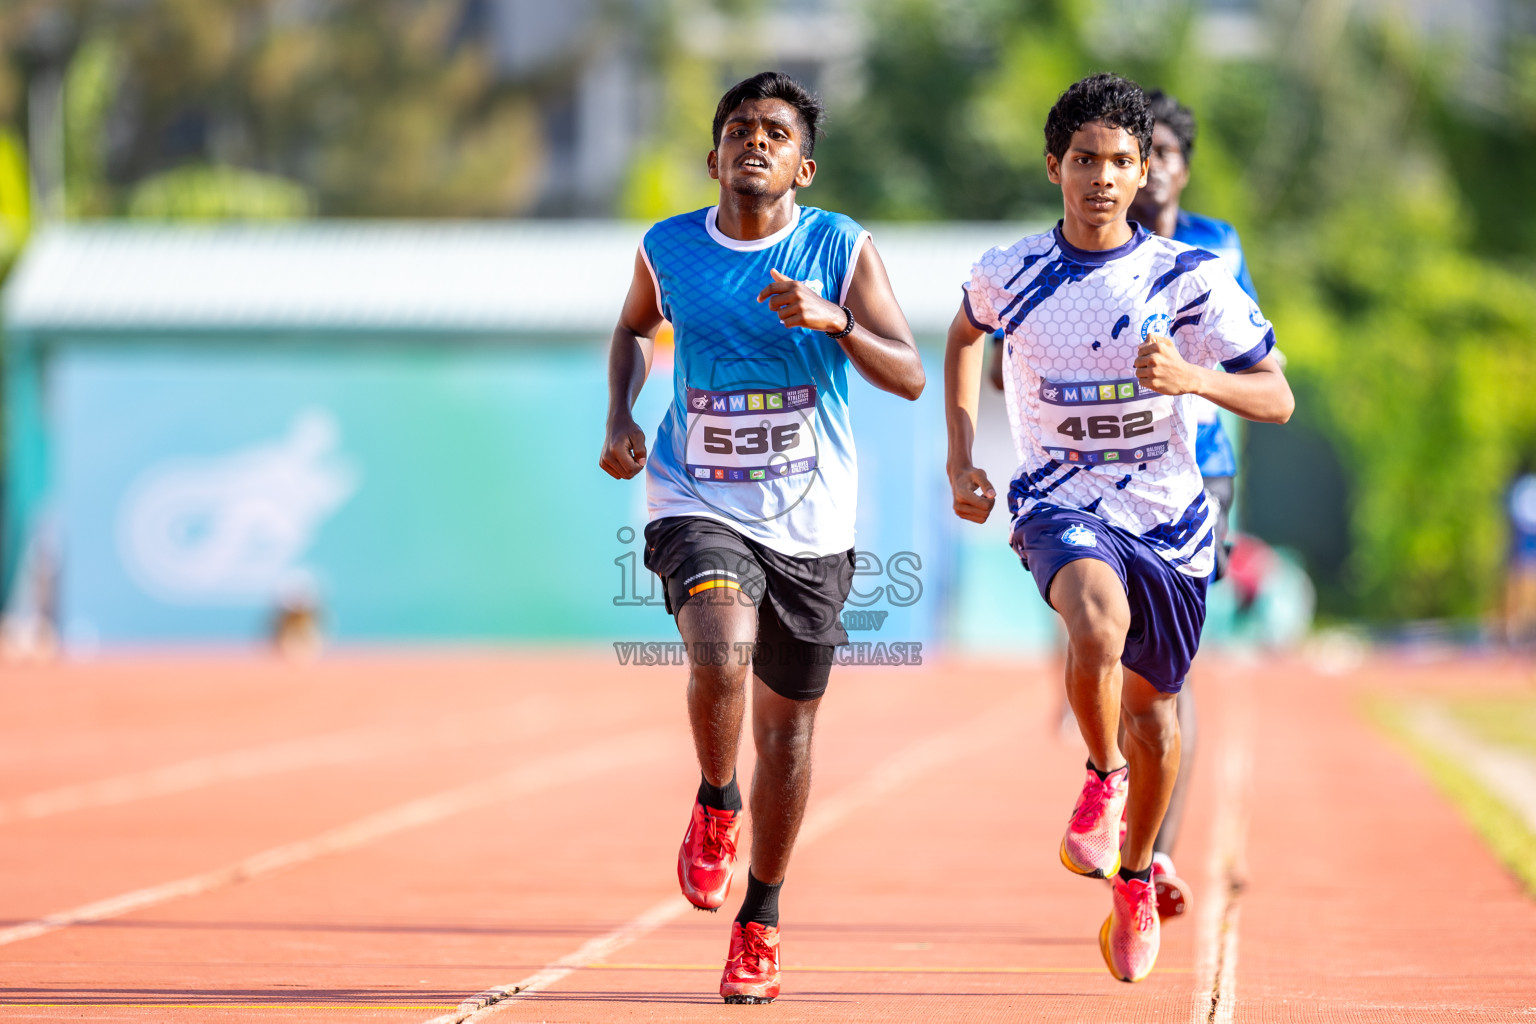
{"x":1157,"y":323}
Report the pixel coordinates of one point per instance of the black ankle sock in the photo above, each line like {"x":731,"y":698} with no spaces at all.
{"x":1126,"y":874}
{"x":762,"y":902}
{"x":721,"y":798}
{"x":1095,"y":769}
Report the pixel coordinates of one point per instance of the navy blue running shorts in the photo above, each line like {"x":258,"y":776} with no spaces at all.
{"x":1167,"y":607}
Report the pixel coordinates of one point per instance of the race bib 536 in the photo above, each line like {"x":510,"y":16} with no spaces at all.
{"x":753,"y":435}
{"x":1105,"y":421}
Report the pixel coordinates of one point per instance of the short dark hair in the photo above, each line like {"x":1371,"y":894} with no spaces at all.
{"x":1108,"y":98}
{"x":1174,"y":116}
{"x":774,"y":85}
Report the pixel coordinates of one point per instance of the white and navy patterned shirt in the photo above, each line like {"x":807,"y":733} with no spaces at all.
{"x":1088,"y":435}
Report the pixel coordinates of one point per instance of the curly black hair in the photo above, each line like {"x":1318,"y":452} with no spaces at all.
{"x":774,"y":85}
{"x":1174,"y":116}
{"x":1105,"y":97}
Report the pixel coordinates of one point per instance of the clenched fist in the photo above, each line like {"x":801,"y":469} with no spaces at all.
{"x":1161,"y":368}
{"x":799,"y":305}
{"x":623,"y":450}
{"x":974,"y":494}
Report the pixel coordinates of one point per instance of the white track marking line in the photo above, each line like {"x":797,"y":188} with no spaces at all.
{"x":1508,"y":774}
{"x":533,"y":717}
{"x":606,"y":755}
{"x":1215,"y":995}
{"x":998,"y":724}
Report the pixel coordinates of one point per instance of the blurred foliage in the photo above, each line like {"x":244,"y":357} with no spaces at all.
{"x":1378,"y":206}
{"x":386,"y":107}
{"x":217,"y":194}
{"x":15,"y":200}
{"x":668,"y":174}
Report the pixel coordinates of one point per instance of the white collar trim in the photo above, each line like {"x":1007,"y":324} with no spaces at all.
{"x":737,"y":245}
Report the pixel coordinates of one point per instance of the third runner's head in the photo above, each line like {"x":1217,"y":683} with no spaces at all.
{"x":765,"y":131}
{"x":1173,"y":138}
{"x":1097,"y":138}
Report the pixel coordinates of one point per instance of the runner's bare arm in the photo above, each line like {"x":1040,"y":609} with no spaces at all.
{"x":1259,"y":393}
{"x":963,"y":357}
{"x":629,"y":363}
{"x":880,"y":346}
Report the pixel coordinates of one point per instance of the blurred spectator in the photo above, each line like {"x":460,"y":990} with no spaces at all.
{"x":1519,"y":612}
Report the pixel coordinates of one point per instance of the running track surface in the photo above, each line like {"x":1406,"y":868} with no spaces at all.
{"x":383,"y":837}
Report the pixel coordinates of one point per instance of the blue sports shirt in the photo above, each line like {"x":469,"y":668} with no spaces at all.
{"x":1213,"y":448}
{"x":757,"y":435}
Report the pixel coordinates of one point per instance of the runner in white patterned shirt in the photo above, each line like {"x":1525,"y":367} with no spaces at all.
{"x":1110,"y":334}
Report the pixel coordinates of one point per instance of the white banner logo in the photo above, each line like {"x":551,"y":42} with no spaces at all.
{"x":234,"y":528}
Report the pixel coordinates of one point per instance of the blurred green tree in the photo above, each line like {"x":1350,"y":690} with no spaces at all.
{"x":15,"y":198}
{"x":668,"y":175}
{"x":381,"y":108}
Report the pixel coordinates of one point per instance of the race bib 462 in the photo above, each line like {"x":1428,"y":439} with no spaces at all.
{"x":751,"y":436}
{"x":1105,"y":421}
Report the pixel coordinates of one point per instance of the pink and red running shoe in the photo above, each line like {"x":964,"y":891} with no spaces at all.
{"x":1091,"y":845}
{"x":752,"y":970}
{"x":1131,"y":933}
{"x":1172,"y":891}
{"x":708,"y":856}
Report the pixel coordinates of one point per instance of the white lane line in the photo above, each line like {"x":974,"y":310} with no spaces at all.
{"x":606,"y":755}
{"x":1508,"y":774}
{"x":1216,"y":942}
{"x":997,"y":725}
{"x":532,"y":717}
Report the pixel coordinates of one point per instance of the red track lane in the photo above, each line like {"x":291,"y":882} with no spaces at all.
{"x":936,"y":896}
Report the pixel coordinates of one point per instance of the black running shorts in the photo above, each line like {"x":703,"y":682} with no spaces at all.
{"x":799,"y":600}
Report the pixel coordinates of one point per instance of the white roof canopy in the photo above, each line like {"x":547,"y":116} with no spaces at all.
{"x":544,"y":276}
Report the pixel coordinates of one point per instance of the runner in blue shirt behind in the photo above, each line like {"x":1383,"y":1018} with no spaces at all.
{"x":1156,"y":208}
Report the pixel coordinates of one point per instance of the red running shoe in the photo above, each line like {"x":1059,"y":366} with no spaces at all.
{"x":708,"y":856}
{"x":752,"y":970}
{"x":1091,"y":846}
{"x":1130,"y":936}
{"x":1172,"y":891}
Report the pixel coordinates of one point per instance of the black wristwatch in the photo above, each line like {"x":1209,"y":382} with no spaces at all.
{"x":846,"y":330}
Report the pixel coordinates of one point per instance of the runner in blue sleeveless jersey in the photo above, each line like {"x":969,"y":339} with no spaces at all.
{"x":752,"y":481}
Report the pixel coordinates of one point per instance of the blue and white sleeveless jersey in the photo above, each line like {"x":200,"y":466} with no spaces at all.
{"x":1213,"y":448}
{"x":757,"y":435}
{"x":1089,"y":436}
